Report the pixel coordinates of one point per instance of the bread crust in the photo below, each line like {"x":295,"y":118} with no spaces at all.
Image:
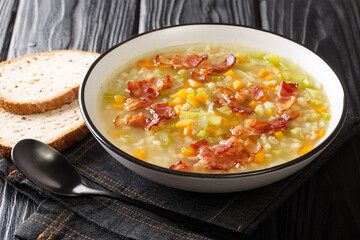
{"x":46,"y":104}
{"x":61,"y":143}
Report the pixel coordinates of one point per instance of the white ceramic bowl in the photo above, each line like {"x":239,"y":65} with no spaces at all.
{"x":108,"y":62}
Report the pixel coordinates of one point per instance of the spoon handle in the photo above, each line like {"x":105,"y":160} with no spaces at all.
{"x":187,"y":221}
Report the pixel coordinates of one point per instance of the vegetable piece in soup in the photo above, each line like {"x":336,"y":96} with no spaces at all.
{"x":213,"y":109}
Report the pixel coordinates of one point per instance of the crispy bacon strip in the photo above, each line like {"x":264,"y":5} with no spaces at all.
{"x":139,"y":120}
{"x":178,"y":62}
{"x":201,"y":74}
{"x":254,"y":127}
{"x":160,"y":112}
{"x":238,"y":101}
{"x":286,"y":96}
{"x":199,"y":144}
{"x":226,"y":64}
{"x":225,"y":155}
{"x":179,"y":166}
{"x":145,"y":91}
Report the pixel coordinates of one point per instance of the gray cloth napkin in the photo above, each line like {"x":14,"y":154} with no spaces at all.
{"x":103,"y":218}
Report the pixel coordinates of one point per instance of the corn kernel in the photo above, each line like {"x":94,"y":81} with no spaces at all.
{"x":253,"y":104}
{"x":188,"y":152}
{"x":237,"y":85}
{"x":279,"y":135}
{"x":118,"y":105}
{"x":321,"y":133}
{"x":260,"y":156}
{"x":140,"y":154}
{"x":307,"y":147}
{"x":192,"y":100}
{"x":231,"y":74}
{"x":177,"y":110}
{"x":263,"y":73}
{"x":118,"y":99}
{"x":240,"y":59}
{"x":193,"y":84}
{"x":117,"y":134}
{"x":202,"y":97}
{"x":183,"y":123}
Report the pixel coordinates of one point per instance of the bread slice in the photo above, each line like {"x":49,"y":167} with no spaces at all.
{"x":58,"y":128}
{"x":44,"y":81}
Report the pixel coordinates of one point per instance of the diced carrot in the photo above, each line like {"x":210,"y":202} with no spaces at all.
{"x":188,"y":152}
{"x":183,"y":123}
{"x":270,"y":87}
{"x":239,"y":116}
{"x":177,"y":110}
{"x":237,"y":85}
{"x":119,"y":99}
{"x":240,"y":59}
{"x":193,"y":84}
{"x":321,"y":133}
{"x":118,"y":105}
{"x":268,"y":78}
{"x":307,"y":147}
{"x":263,"y":73}
{"x":140,"y":154}
{"x":212,"y":130}
{"x":192,"y":100}
{"x":181,"y":94}
{"x":270,"y":112}
{"x":145,"y":63}
{"x":176,"y":101}
{"x":253,"y":104}
{"x":320,"y":109}
{"x":231,"y":74}
{"x":260,"y":156}
{"x":279,"y":135}
{"x":202,"y":97}
{"x":188,"y":131}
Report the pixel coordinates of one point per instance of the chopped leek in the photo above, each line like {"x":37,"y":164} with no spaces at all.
{"x":108,"y":97}
{"x":184,"y":74}
{"x":313,"y":92}
{"x":297,"y":133}
{"x":164,"y":138}
{"x":272,"y":58}
{"x":203,"y":134}
{"x":214,"y":120}
{"x":313,"y":117}
{"x":325,"y":116}
{"x":316,"y":102}
{"x":202,"y":122}
{"x":226,"y":110}
{"x":277,"y":151}
{"x":216,"y":78}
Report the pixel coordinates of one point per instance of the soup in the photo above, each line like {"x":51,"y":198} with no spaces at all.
{"x":213,"y":108}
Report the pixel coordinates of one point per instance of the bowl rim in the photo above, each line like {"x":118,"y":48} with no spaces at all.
{"x":128,"y":157}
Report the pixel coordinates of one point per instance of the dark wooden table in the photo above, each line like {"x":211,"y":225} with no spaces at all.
{"x":327,"y":206}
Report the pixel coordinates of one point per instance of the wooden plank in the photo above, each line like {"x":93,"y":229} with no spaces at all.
{"x":320,"y":25}
{"x":7,"y":17}
{"x":155,"y":14}
{"x":50,"y":25}
{"x":327,"y":204}
{"x":85,"y":25}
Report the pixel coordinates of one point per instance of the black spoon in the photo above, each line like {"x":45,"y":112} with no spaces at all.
{"x":49,"y":169}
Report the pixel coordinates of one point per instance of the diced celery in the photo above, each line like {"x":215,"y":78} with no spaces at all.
{"x":306,"y":83}
{"x":194,"y":109}
{"x":214,"y":140}
{"x":325,"y":116}
{"x":259,"y":110}
{"x":256,"y":54}
{"x":202,"y":122}
{"x":313,"y":117}
{"x":216,"y":78}
{"x":170,"y":126}
{"x":190,"y":115}
{"x":272,"y":58}
{"x":277,"y":151}
{"x":214,"y":120}
{"x":164,"y":138}
{"x":206,"y":91}
{"x":128,"y":138}
{"x":221,"y":132}
{"x":203,"y":134}
{"x":109,"y":97}
{"x":316,"y":102}
{"x":297,"y":133}
{"x":226,"y":110}
{"x":313,"y":92}
{"x":286,"y":75}
{"x":177,"y":84}
{"x":184,"y":74}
